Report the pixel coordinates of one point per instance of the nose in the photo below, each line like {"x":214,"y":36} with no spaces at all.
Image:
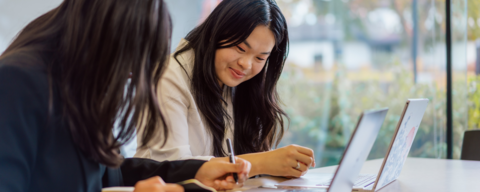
{"x":245,"y":62}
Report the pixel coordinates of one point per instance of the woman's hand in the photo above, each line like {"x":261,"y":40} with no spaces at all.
{"x":282,"y":161}
{"x":156,"y":184}
{"x":218,"y":173}
{"x":289,"y":161}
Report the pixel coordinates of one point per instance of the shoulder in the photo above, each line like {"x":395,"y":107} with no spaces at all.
{"x":12,"y":74}
{"x":21,"y":78}
{"x":23,"y":68}
{"x":24,"y":63}
{"x":179,"y":69}
{"x":23,"y":98}
{"x":175,"y":82}
{"x":184,"y":59}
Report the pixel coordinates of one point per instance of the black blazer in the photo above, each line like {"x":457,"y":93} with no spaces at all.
{"x":38,"y":154}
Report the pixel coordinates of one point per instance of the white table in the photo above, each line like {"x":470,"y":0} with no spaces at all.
{"x":418,"y":175}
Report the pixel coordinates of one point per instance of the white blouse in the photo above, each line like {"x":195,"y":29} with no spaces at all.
{"x":189,"y":136}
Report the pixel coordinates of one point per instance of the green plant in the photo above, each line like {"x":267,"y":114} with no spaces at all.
{"x":323,"y":113}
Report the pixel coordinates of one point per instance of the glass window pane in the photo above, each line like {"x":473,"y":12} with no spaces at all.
{"x":459,"y":73}
{"x":351,"y":55}
{"x":472,"y":24}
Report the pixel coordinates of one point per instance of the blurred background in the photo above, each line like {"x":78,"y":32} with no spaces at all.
{"x":347,"y":56}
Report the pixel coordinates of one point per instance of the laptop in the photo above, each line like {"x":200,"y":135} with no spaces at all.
{"x":397,"y":153}
{"x":356,"y":152}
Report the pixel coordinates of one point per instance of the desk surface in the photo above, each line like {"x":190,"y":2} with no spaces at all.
{"x":418,"y":175}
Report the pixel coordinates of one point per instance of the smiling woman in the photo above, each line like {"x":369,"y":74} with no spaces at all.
{"x":242,"y":62}
{"x":221,"y":83}
{"x":62,"y":88}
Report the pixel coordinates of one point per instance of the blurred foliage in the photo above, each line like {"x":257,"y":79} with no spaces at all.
{"x":461,"y":106}
{"x":474,"y":102}
{"x":324,"y":114}
{"x":474,"y":19}
{"x":353,"y":15}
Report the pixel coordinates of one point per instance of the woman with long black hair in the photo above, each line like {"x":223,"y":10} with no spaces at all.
{"x":62,"y":88}
{"x":221,"y":83}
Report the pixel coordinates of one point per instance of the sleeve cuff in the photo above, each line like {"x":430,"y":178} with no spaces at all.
{"x":136,"y":169}
{"x":204,"y":158}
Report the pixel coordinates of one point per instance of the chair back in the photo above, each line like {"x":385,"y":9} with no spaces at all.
{"x":471,"y":145}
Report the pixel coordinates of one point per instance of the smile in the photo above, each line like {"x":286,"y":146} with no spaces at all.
{"x":236,"y":73}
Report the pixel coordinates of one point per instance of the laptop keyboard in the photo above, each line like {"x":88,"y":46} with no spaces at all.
{"x":362,"y":181}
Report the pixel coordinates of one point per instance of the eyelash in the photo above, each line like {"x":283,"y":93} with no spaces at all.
{"x":240,"y":48}
{"x":244,"y":51}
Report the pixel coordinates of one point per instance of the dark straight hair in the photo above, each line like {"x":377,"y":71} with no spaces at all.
{"x":96,"y":45}
{"x":257,"y":116}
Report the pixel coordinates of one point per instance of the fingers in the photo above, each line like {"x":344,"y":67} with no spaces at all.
{"x":230,"y":179}
{"x":227,"y":184}
{"x":218,"y":173}
{"x":173,"y":188}
{"x":241,"y":166}
{"x":291,"y":171}
{"x":304,"y":159}
{"x":157,"y":187}
{"x":243,"y":169}
{"x":295,"y":172}
{"x":302,"y":168}
{"x":142,"y":187}
{"x":306,"y":151}
{"x":153,"y":180}
{"x":154,"y":184}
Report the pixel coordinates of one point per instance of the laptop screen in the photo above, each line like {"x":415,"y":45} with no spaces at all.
{"x":357,"y":150}
{"x":403,"y":140}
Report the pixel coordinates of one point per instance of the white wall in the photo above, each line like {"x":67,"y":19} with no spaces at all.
{"x":185,"y":16}
{"x":16,"y":14}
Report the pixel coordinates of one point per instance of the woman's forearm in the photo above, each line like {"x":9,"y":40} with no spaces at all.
{"x":256,"y":159}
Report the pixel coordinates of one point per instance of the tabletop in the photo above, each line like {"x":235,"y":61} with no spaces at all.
{"x":418,"y":175}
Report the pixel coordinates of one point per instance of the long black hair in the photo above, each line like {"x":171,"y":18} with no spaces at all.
{"x":258,"y":118}
{"x":96,"y":46}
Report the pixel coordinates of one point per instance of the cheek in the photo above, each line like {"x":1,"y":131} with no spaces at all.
{"x":257,"y":68}
{"x":224,"y":56}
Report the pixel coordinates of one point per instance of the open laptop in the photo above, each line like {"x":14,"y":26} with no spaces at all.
{"x":356,"y":152}
{"x":395,"y":158}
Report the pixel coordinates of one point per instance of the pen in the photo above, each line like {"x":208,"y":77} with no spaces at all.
{"x":232,"y":157}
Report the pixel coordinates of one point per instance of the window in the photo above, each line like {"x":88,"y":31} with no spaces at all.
{"x":347,"y":56}
{"x":351,"y":55}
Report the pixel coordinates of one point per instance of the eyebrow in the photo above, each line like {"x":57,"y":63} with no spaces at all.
{"x":248,"y":45}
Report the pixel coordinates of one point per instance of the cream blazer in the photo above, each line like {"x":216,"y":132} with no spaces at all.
{"x":189,"y":136}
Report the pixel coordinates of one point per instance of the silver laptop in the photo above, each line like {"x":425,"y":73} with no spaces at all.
{"x":397,"y":153}
{"x":355,"y":154}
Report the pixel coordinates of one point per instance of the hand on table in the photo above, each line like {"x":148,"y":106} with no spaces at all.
{"x":156,"y":184}
{"x":284,"y":161}
{"x":218,"y":173}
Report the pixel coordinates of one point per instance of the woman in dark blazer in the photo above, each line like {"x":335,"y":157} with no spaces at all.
{"x":62,"y":88}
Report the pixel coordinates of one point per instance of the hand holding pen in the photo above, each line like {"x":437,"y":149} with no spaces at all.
{"x":232,"y":158}
{"x":217,"y":172}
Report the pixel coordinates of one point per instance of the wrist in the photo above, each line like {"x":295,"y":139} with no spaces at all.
{"x":257,"y":160}
{"x":263,"y":163}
